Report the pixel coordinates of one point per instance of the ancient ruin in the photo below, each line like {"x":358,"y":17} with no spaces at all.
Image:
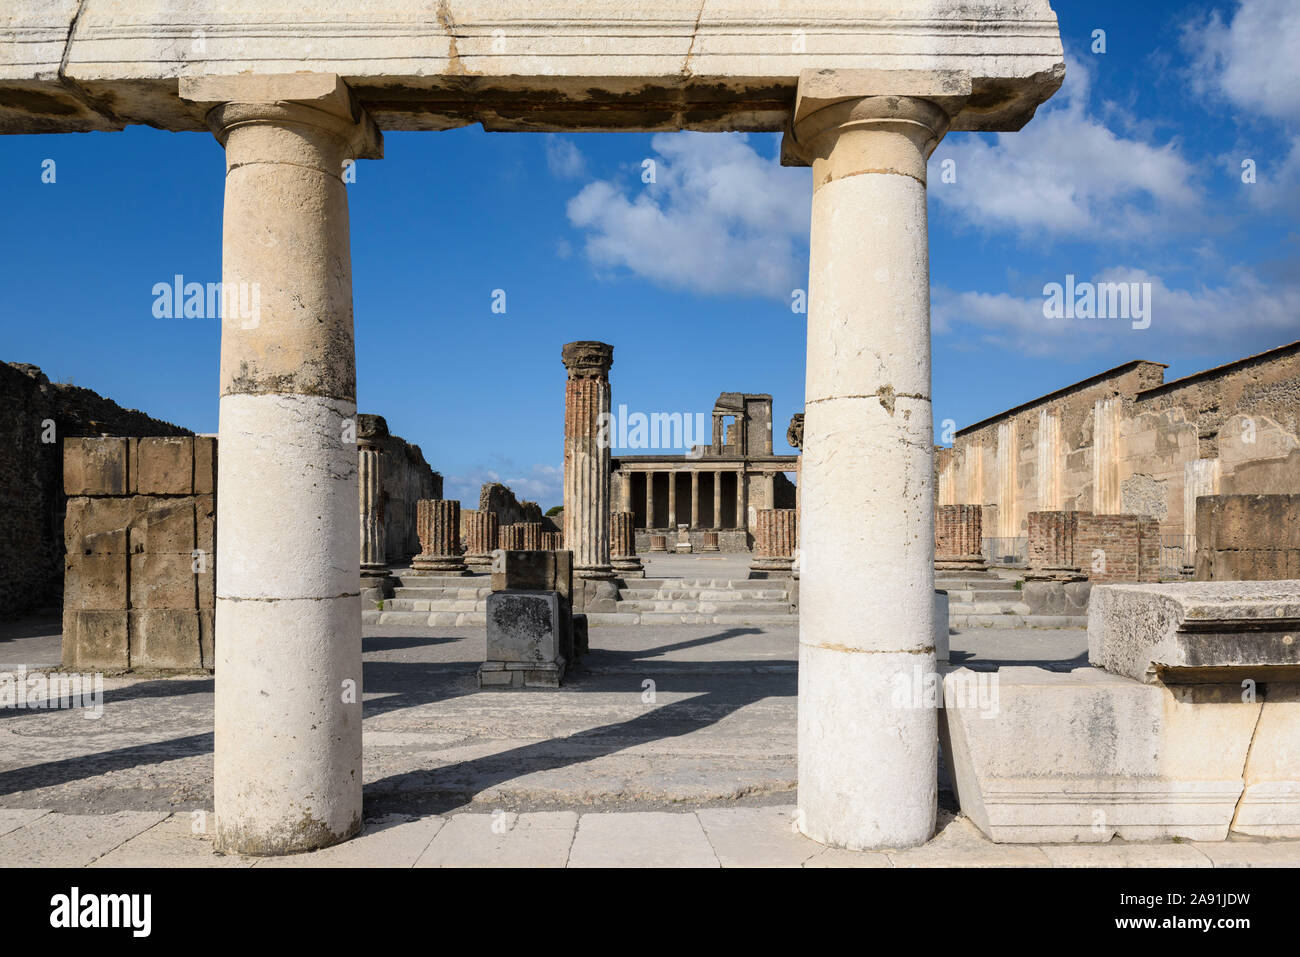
{"x":265,"y":554}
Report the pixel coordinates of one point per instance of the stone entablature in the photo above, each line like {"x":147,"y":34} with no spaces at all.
{"x":675,"y":64}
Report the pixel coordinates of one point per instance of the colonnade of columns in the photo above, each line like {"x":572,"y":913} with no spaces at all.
{"x":288,"y":695}
{"x":696,"y":500}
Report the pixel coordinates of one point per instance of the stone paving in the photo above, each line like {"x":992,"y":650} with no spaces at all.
{"x":696,"y":768}
{"x":708,"y":837}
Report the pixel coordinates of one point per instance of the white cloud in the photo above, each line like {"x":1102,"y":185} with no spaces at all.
{"x":719,"y":218}
{"x":563,"y":158}
{"x":1066,"y":174}
{"x":543,"y":484}
{"x":1253,"y":61}
{"x":1242,"y":314}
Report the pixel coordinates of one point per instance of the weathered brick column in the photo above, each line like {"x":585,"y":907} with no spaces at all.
{"x":775,"y":539}
{"x":959,"y":538}
{"x":511,"y":538}
{"x":437,"y":522}
{"x":530,"y":536}
{"x":622,"y":546}
{"x":287,"y":767}
{"x":371,"y":432}
{"x":867,"y":767}
{"x":1052,"y":555}
{"x":482,"y":538}
{"x":586,"y":473}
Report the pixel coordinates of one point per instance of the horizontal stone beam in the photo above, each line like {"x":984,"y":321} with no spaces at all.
{"x":71,"y":65}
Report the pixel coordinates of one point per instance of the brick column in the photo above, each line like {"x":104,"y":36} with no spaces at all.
{"x":438,"y":524}
{"x":586,"y":458}
{"x":530,"y":536}
{"x":482,"y":538}
{"x":287,"y":738}
{"x":1052,"y":553}
{"x":775,"y":540}
{"x":622,"y":546}
{"x":959,"y":538}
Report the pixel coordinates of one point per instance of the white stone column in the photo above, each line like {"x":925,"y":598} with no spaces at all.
{"x":1200,"y":477}
{"x":1008,"y":471}
{"x":1106,"y":498}
{"x":867,"y":759}
{"x":695,"y":499}
{"x":1049,"y":461}
{"x":649,"y":499}
{"x":287,"y":773}
{"x":672,"y":500}
{"x":717,"y":500}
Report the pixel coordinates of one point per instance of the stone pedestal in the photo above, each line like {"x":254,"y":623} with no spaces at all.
{"x":287,"y":741}
{"x":658,"y":542}
{"x":587,"y":457}
{"x":775,"y":531}
{"x":622,"y":546}
{"x":868,"y":768}
{"x":709,"y":542}
{"x":959,"y":539}
{"x":683,"y":546}
{"x":438,"y":525}
{"x":482,"y":538}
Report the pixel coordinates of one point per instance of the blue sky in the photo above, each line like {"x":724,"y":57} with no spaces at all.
{"x":1132,"y":172}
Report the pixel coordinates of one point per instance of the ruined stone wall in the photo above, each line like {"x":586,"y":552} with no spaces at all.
{"x":498,"y":498}
{"x":996,"y":463}
{"x":140,"y":570}
{"x":35,"y":416}
{"x":407,"y":479}
{"x":1248,"y":537}
{"x":1127,"y":443}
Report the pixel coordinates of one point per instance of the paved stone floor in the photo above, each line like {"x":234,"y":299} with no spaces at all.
{"x":672,"y":744}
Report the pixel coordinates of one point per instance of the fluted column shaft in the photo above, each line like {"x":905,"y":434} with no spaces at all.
{"x":587,"y":457}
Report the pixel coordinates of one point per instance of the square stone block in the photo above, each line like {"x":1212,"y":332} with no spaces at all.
{"x":95,"y":581}
{"x":207,"y":637}
{"x":524,"y":627}
{"x":535,"y":571}
{"x":163,"y":465}
{"x":97,"y":525}
{"x":163,"y":526}
{"x":1197,"y":632}
{"x":95,"y":466}
{"x":96,"y":640}
{"x":1037,"y":756}
{"x":205,"y":525}
{"x":205,"y":465}
{"x":163,"y":580}
{"x":166,"y":640}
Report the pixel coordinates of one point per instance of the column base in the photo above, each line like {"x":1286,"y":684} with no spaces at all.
{"x":479,"y":564}
{"x":628,"y":566}
{"x":445,"y":565}
{"x":771,"y":566}
{"x":961,"y":563}
{"x":377,"y":583}
{"x":1056,"y":573}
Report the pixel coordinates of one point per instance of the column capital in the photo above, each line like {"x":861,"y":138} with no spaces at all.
{"x":587,"y":359}
{"x":320,"y":101}
{"x":372,"y":430}
{"x":916,"y":105}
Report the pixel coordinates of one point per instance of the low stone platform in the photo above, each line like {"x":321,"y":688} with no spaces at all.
{"x":708,"y":837}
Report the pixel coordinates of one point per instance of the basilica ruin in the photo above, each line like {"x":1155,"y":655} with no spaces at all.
{"x":319,"y":522}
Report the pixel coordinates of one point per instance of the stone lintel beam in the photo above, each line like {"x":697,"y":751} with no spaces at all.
{"x":513,"y":65}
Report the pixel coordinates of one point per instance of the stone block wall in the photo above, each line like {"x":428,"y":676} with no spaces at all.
{"x":1248,"y":537}
{"x":35,"y":417}
{"x":407,"y":478}
{"x":140,"y":571}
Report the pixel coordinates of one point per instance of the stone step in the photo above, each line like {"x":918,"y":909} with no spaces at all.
{"x":982,"y":594}
{"x":987,"y":608}
{"x":973,"y":622}
{"x":441,"y":592}
{"x":966,"y":584}
{"x":424,"y":618}
{"x":445,"y":604}
{"x":702,"y":594}
{"x":706,"y":607}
